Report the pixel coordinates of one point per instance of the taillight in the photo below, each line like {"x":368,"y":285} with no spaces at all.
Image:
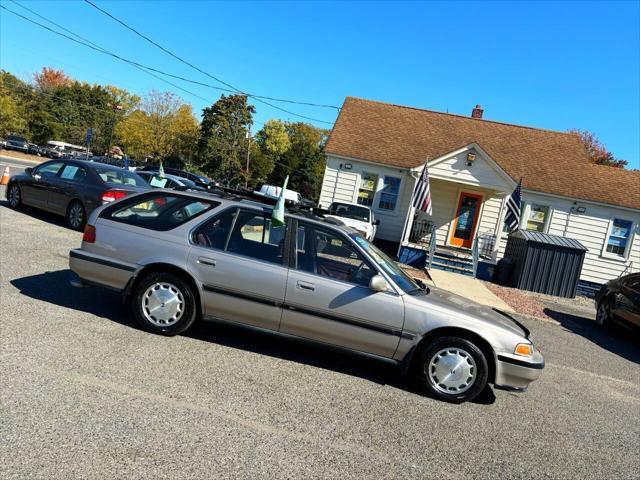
{"x":112,"y":195}
{"x":89,"y":234}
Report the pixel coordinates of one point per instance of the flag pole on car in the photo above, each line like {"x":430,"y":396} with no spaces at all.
{"x":277,"y":217}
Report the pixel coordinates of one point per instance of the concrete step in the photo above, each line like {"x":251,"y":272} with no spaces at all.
{"x":460,"y":263}
{"x":464,"y":270}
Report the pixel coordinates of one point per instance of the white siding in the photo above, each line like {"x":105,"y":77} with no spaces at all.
{"x":591,"y":229}
{"x":483,"y":172}
{"x":340,"y":184}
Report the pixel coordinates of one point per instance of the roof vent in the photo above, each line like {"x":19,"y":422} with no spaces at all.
{"x":477,"y":112}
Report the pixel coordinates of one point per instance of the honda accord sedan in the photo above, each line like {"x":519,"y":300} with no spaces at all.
{"x":73,"y":188}
{"x":180,"y":256}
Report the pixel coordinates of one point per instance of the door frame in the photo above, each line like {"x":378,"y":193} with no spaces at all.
{"x":454,"y":220}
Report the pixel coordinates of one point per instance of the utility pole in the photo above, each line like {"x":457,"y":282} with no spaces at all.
{"x":248,"y":154}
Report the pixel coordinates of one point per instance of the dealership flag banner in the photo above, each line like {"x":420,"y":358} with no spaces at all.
{"x":512,"y":218}
{"x":161,"y":170}
{"x":277,"y":217}
{"x":422,"y":193}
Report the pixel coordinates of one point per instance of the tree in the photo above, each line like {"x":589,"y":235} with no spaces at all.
{"x":50,"y":78}
{"x":12,"y":100}
{"x":223,"y":143}
{"x":597,"y":151}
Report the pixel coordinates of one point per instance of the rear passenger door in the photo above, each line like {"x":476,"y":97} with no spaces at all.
{"x":65,"y":186}
{"x":328,"y":296}
{"x":238,"y":257}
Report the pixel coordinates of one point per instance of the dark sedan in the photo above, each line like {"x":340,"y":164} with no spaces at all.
{"x":619,"y":300}
{"x":73,"y":188}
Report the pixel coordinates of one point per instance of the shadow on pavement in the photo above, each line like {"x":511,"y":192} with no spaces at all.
{"x":614,"y":339}
{"x":37,"y":214}
{"x":53,"y":287}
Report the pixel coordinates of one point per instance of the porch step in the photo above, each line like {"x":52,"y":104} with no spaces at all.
{"x":463,"y":270}
{"x":453,"y":261}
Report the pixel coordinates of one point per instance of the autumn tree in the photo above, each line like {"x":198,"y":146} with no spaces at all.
{"x":224,"y":138}
{"x":598,"y":153}
{"x":50,"y":78}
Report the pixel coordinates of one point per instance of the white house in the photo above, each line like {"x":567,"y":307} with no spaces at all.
{"x":376,"y":152}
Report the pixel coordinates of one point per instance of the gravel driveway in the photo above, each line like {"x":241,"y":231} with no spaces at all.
{"x":85,"y":394}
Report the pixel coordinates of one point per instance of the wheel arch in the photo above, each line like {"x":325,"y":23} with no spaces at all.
{"x":162,"y":267}
{"x":473,"y":337}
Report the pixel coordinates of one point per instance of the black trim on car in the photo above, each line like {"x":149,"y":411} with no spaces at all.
{"x":307,"y":311}
{"x":108,"y":263}
{"x":244,"y":296}
{"x":521,"y":363}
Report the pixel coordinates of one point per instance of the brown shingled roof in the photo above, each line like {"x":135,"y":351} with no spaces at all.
{"x":547,"y":161}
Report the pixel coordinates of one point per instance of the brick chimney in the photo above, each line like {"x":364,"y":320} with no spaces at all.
{"x":477,"y":112}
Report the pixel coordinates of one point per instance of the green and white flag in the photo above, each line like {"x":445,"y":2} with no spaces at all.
{"x":161,"y":170}
{"x":277,"y":217}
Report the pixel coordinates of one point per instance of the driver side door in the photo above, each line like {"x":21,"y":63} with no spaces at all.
{"x":328,"y":298}
{"x":35,"y":190}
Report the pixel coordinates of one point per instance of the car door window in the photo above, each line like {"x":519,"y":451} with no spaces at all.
{"x":330,"y":255}
{"x":73,"y":173}
{"x":49,"y":169}
{"x":254,"y":236}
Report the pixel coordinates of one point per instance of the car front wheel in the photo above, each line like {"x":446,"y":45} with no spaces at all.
{"x":452,"y":369}
{"x":164,"y":303}
{"x":15,"y":196}
{"x":603,"y":314}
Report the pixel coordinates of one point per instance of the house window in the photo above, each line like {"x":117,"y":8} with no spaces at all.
{"x":618,"y":238}
{"x":537,"y":217}
{"x":368,"y":184}
{"x":389,"y":193}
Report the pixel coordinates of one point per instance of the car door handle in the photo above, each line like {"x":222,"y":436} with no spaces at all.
{"x":306,"y":286}
{"x":209,"y":262}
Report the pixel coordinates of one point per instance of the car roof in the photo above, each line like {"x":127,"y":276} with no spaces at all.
{"x":89,"y":164}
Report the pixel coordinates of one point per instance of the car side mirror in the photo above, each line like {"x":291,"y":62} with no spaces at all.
{"x":28,"y":170}
{"x":378,"y":284}
{"x":376,"y":222}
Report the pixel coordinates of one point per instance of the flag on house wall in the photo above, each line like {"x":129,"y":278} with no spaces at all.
{"x":512,"y":218}
{"x":421,"y":198}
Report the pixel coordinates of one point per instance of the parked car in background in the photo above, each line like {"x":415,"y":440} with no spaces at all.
{"x":355,"y":216}
{"x":167,"y":181}
{"x":199,"y":180}
{"x":3,"y":143}
{"x":619,"y":301}
{"x":273,"y":192}
{"x":178,"y":255}
{"x":17,"y":143}
{"x":33,"y":149}
{"x":69,"y":150}
{"x":73,"y":188}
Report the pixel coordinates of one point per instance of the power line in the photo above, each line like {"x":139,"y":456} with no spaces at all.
{"x":198,"y":69}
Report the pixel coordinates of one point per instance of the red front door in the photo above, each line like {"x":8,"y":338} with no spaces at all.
{"x":466,"y":220}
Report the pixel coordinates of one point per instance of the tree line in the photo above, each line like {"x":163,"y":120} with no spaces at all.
{"x":160,"y":126}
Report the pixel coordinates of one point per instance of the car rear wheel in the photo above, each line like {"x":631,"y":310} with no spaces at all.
{"x":452,"y":369}
{"x":603,"y":313}
{"x":15,"y":196}
{"x":164,"y":303}
{"x":76,"y":217}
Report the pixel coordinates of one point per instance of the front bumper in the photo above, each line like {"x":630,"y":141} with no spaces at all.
{"x":517,"y":372}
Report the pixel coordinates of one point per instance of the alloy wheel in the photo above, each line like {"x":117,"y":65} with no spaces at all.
{"x":14,"y":196}
{"x":76,"y":215}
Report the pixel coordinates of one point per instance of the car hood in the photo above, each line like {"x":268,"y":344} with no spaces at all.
{"x":453,"y":303}
{"x":350,"y":222}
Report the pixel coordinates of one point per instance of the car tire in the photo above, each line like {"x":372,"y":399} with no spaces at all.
{"x":165,"y":304}
{"x":603,"y":313}
{"x":14,"y":196}
{"x":76,"y":216}
{"x":452,"y":369}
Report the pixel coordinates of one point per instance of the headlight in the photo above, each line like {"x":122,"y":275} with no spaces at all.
{"x":524,"y":349}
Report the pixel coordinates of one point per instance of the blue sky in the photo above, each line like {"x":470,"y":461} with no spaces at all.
{"x":544,"y":64}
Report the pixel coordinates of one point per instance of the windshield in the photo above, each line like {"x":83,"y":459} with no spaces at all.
{"x":113,"y":176}
{"x":391,"y":268}
{"x":354,"y":212}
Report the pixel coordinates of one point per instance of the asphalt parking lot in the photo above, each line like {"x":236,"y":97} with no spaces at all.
{"x":86,"y":394}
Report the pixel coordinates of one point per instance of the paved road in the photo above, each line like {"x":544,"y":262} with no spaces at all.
{"x":85,"y":394}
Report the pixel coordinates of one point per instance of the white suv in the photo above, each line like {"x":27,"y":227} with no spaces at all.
{"x":356,"y":216}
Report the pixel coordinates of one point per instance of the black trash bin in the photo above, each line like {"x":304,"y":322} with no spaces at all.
{"x":545,"y":263}
{"x":502,"y":273}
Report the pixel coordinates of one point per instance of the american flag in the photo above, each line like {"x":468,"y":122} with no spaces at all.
{"x":512,"y":218}
{"x":421,"y":193}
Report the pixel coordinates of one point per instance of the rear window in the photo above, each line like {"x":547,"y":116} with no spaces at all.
{"x":16,"y":138}
{"x":158,"y":212}
{"x":114,"y":176}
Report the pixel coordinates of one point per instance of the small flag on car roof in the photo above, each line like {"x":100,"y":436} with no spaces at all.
{"x":161,"y":170}
{"x":277,"y":217}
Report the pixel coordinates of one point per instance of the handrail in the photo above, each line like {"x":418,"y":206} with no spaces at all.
{"x":432,"y":246}
{"x":475,"y":255}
